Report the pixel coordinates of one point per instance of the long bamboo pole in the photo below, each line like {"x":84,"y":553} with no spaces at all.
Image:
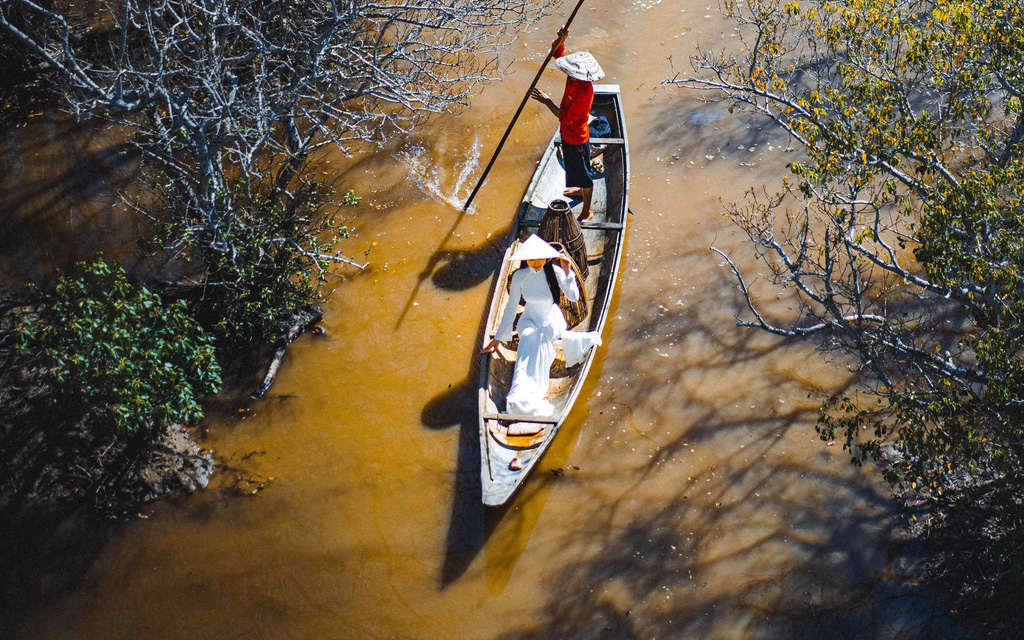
{"x":431,"y":264}
{"x":522,"y":104}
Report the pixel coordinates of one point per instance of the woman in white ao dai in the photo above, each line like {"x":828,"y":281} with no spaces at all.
{"x":540,"y":325}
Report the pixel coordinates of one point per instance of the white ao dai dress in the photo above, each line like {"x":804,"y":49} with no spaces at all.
{"x":539,"y":326}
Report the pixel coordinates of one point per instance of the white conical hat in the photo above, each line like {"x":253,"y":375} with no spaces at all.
{"x":534,"y":248}
{"x":580,"y":65}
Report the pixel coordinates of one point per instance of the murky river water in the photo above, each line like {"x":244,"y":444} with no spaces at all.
{"x":687,"y":497}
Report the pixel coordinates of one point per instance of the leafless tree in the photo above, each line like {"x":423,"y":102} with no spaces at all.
{"x":220,"y":93}
{"x":893,"y":242}
{"x":226,"y":100}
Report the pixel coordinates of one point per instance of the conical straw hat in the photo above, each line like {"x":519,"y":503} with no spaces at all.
{"x":580,"y":65}
{"x":534,"y":248}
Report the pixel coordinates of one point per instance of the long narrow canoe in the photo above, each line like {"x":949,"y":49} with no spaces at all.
{"x":604,"y":236}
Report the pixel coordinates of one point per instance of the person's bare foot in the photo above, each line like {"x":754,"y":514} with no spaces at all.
{"x":588,"y":218}
{"x":573,"y":192}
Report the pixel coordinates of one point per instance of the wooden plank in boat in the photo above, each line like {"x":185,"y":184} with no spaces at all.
{"x":520,"y":441}
{"x":516,"y":417}
{"x":606,"y":226}
{"x":593,"y":141}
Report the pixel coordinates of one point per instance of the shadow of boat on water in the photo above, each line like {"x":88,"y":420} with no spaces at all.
{"x":455,"y":407}
{"x":468,"y":527}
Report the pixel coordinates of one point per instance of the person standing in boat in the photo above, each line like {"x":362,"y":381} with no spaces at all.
{"x":542,"y":322}
{"x":574,"y":117}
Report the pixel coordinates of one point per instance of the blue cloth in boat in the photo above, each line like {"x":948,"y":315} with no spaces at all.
{"x":599,"y":127}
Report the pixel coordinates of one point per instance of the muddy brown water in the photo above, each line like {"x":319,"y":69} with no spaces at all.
{"x":687,"y":496}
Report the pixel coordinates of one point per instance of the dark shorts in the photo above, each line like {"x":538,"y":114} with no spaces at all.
{"x":577,"y":165}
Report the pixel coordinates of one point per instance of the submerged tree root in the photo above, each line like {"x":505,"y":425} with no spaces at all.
{"x":300,"y":323}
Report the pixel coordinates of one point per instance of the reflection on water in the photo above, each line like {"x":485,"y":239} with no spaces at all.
{"x":687,"y":496}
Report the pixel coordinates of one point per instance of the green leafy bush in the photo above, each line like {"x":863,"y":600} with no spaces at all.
{"x":115,"y":354}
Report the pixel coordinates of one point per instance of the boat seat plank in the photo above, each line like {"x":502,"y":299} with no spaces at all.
{"x":515,"y":417}
{"x":594,"y":141}
{"x":519,"y":442}
{"x":602,"y":226}
{"x":605,"y":226}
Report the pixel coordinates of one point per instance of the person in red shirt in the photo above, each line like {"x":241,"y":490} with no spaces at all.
{"x":574,"y":117}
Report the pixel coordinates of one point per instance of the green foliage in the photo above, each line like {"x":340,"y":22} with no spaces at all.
{"x":116,"y":355}
{"x":922,"y":116}
{"x":350,"y":199}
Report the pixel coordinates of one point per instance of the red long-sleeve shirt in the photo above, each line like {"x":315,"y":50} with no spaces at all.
{"x":574,"y":110}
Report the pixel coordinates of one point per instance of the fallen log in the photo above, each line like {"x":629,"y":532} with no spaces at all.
{"x":300,"y":323}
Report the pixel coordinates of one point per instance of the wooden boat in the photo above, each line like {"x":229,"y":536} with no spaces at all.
{"x":604,"y":236}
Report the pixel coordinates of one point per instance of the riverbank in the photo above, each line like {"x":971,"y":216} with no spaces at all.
{"x":48,"y":460}
{"x":54,"y":455}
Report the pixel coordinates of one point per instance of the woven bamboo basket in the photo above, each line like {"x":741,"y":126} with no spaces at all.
{"x":559,"y":225}
{"x":574,"y":312}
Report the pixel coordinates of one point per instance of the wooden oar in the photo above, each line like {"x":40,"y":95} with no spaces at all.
{"x":522,"y":104}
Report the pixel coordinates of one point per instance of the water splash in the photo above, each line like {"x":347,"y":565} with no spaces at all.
{"x":469,"y":168}
{"x":644,"y":5}
{"x":424,"y":171}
